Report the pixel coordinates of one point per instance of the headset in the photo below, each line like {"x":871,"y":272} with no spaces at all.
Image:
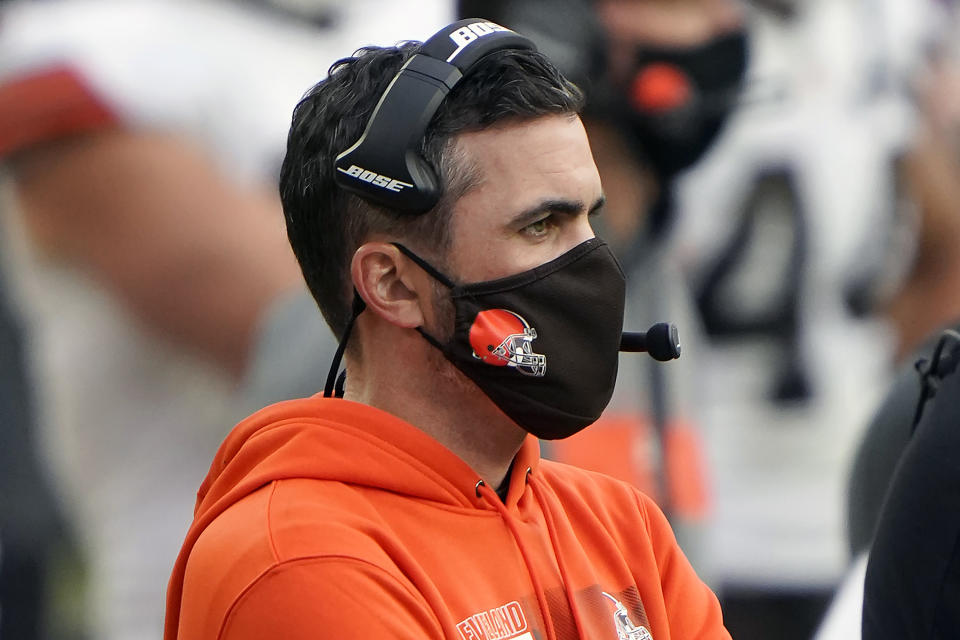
{"x":385,"y":165}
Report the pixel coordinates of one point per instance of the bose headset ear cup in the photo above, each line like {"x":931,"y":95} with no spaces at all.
{"x":385,"y":166}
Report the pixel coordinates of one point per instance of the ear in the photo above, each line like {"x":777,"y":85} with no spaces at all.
{"x":392,"y":287}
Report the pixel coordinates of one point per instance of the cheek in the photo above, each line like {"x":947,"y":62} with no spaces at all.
{"x":476,"y":249}
{"x":492,"y":260}
{"x":469,"y":257}
{"x":489,"y":256}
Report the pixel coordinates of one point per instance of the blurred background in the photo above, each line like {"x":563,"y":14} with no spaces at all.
{"x":783,"y":183}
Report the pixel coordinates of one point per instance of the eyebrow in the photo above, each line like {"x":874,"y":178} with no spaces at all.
{"x":566,"y":207}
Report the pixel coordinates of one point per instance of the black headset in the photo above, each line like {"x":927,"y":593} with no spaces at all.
{"x":385,"y":166}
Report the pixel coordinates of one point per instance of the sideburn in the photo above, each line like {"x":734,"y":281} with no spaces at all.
{"x":444,"y":312}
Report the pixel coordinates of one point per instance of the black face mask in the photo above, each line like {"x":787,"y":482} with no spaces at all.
{"x":677,"y":100}
{"x":541,"y":344}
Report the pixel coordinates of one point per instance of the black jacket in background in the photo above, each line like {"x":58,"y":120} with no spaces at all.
{"x":912,"y":587}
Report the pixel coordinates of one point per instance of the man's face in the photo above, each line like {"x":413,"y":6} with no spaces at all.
{"x":538,"y":185}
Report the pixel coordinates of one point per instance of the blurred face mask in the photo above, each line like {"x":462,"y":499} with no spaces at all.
{"x":676,"y":100}
{"x":542,"y":344}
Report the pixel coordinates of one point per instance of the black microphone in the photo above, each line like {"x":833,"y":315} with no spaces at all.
{"x":661,"y":341}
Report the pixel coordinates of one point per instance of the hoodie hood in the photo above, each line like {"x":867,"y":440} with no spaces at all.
{"x":339,"y":440}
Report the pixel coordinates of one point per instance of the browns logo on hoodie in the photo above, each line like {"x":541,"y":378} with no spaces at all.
{"x":325,"y":518}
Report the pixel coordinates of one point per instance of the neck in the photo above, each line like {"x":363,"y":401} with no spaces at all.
{"x":436,"y":398}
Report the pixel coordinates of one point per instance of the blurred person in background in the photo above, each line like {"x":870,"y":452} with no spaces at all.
{"x":143,"y":240}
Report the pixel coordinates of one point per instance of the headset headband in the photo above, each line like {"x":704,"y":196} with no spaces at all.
{"x":385,"y":166}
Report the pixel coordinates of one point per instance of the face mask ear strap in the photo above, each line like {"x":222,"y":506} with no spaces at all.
{"x":426,"y":266}
{"x":429,"y":338}
{"x":332,"y":381}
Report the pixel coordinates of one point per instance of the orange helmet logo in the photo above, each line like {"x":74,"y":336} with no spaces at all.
{"x":504,"y":339}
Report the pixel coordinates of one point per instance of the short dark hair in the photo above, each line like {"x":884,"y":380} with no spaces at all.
{"x":326,"y":224}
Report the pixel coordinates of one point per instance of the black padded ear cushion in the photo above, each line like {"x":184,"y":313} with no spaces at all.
{"x":383,"y":166}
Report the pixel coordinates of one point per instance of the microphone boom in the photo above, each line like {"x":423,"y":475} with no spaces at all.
{"x":661,"y":341}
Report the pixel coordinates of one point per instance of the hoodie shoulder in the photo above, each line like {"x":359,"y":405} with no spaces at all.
{"x":287,"y":523}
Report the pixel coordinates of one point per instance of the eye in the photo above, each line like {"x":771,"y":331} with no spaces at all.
{"x":539,"y":228}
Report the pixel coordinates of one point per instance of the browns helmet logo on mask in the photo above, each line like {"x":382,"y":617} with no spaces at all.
{"x":504,"y":339}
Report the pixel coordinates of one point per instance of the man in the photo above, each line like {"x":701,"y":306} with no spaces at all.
{"x":486,"y":312}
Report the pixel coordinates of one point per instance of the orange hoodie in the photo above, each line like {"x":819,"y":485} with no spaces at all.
{"x":324,"y":518}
